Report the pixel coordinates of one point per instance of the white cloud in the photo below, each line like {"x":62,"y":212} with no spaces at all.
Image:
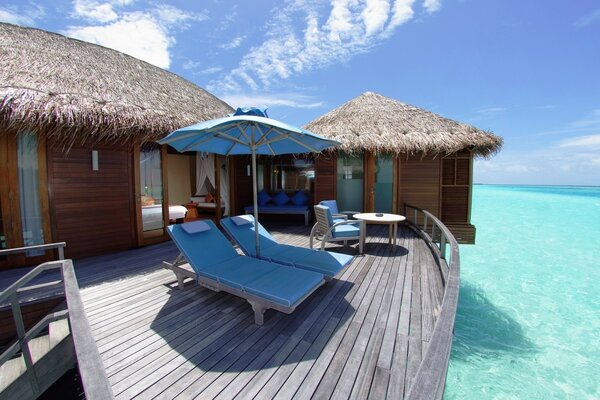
{"x":144,"y":34}
{"x":235,"y":42}
{"x":287,"y":100}
{"x":211,"y":70}
{"x":588,"y":141}
{"x":24,"y":16}
{"x":350,"y":27}
{"x":432,"y":5}
{"x":375,"y":15}
{"x":94,"y":11}
{"x":588,"y":19}
{"x":490,"y":110}
{"x":591,"y":120}
{"x":136,"y":34}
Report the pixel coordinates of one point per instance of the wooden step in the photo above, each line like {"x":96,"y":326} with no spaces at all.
{"x":52,"y":356}
{"x":10,"y":371}
{"x":58,"y":330}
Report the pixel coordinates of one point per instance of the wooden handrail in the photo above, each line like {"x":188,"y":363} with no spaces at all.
{"x":93,"y":376}
{"x":430,"y":380}
{"x":16,"y":250}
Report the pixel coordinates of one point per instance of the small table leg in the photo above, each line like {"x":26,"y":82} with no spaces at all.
{"x":390,"y":234}
{"x":395,"y":233}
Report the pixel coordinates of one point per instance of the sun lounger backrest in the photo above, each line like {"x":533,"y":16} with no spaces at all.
{"x":245,"y":237}
{"x":202,"y":249}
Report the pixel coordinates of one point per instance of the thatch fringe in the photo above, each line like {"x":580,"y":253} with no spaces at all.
{"x":76,"y":92}
{"x":376,"y":123}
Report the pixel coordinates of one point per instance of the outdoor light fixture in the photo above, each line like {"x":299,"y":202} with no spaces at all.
{"x":94,"y":160}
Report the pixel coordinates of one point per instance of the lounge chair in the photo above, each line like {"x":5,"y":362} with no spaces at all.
{"x":335,"y":213}
{"x":218,"y":266}
{"x":241,"y":230}
{"x":331,"y":230}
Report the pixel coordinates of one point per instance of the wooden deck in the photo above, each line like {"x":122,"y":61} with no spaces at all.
{"x":362,"y":335}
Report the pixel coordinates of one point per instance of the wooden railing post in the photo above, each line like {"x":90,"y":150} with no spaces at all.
{"x":24,"y":342}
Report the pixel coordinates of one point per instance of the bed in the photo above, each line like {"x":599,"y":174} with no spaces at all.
{"x":152,"y":217}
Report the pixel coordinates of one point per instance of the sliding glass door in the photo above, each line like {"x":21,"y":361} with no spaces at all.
{"x":151,"y":194}
{"x":383,"y":183}
{"x":350,"y":182}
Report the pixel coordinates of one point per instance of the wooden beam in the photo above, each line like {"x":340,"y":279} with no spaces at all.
{"x":218,"y":211}
{"x":164,"y":164}
{"x":137,"y":192}
{"x":369,"y":181}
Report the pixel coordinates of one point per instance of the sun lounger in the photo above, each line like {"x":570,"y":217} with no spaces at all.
{"x":241,"y":230}
{"x":217,"y":266}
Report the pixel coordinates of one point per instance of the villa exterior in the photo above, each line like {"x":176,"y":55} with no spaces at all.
{"x":392,"y":154}
{"x":79,"y":163}
{"x":77,"y":159}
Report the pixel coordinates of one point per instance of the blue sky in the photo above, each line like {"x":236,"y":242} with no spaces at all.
{"x":528,"y":71}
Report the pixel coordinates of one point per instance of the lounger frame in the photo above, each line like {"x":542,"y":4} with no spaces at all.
{"x":259,"y":304}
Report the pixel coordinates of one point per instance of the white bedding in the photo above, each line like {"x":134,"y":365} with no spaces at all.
{"x":152,"y":215}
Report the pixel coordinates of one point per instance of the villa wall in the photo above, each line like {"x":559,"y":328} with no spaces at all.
{"x":92,"y":211}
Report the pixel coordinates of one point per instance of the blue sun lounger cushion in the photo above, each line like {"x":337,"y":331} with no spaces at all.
{"x":326,"y":262}
{"x":218,"y":266}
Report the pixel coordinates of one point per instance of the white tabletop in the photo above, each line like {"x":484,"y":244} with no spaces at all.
{"x":385,"y":218}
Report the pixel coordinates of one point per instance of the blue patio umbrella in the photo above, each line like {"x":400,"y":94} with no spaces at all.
{"x":247,"y":131}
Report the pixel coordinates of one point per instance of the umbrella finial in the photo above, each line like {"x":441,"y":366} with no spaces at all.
{"x":256,"y":111}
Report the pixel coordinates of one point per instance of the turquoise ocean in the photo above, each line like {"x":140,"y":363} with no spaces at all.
{"x":528,"y":320}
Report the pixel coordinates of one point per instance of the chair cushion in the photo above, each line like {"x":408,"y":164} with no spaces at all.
{"x":195,"y":227}
{"x":285,"y":286}
{"x":242,"y":219}
{"x":332,"y":204}
{"x":299,"y":198}
{"x":281,"y":198}
{"x":238,"y":272}
{"x":346,"y":231}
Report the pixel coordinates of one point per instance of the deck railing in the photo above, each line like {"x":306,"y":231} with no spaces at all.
{"x":430,"y":380}
{"x":93,"y":376}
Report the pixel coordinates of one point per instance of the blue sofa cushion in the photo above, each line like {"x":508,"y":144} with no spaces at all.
{"x":263,"y":197}
{"x":299,"y":198}
{"x":281,"y":198}
{"x":279,"y":209}
{"x":346,"y":231}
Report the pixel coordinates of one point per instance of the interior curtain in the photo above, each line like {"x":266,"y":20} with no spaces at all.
{"x":205,"y":169}
{"x":29,"y":199}
{"x":224,"y":187}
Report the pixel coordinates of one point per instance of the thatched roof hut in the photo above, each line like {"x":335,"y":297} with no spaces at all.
{"x":377,"y":123}
{"x":75,"y":91}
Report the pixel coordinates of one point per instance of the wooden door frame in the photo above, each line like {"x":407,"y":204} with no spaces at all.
{"x":11,"y":206}
{"x":137,"y":203}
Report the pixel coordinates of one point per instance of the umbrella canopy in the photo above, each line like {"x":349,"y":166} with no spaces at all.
{"x":247,"y":131}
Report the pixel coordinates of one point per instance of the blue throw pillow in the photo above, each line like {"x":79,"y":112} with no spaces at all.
{"x":263,"y":197}
{"x":281,"y":198}
{"x":299,"y":198}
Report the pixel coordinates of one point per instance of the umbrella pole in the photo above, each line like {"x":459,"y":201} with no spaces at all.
{"x":255,"y":191}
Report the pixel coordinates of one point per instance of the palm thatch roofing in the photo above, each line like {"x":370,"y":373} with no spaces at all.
{"x":376,"y":123}
{"x":75,"y":91}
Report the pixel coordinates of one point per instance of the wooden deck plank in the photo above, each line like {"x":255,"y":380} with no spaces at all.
{"x":360,"y":336}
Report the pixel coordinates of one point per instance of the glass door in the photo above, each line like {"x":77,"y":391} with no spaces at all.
{"x":384,"y":183}
{"x":151,"y":193}
{"x":350,"y":182}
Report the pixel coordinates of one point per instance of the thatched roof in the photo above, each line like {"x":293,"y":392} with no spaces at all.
{"x":77,"y":91}
{"x":379,"y":124}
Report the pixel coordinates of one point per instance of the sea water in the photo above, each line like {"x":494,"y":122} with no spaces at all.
{"x":528,"y":320}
